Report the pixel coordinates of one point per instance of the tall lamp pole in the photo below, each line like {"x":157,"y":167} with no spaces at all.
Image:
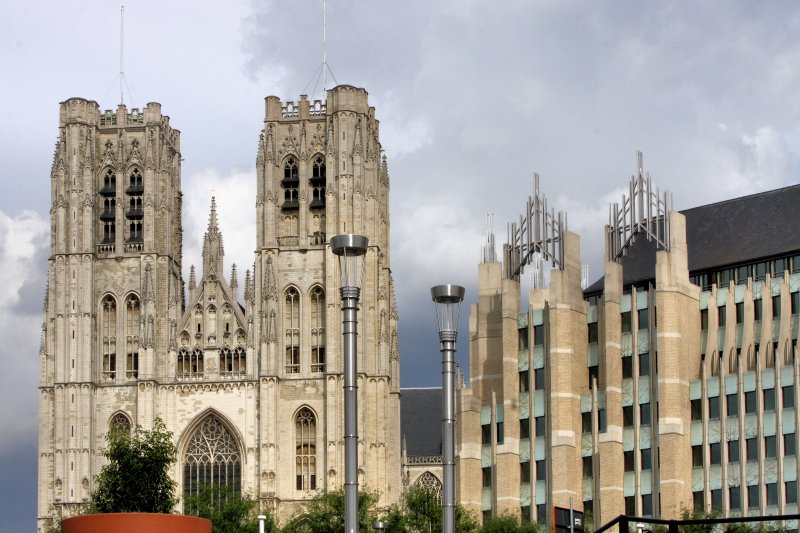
{"x":447,"y":300}
{"x":351,"y":250}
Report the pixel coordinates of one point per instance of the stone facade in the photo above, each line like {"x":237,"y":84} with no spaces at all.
{"x":260,"y":381}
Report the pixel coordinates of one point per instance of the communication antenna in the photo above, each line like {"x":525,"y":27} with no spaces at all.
{"x":323,"y":70}
{"x":121,"y":53}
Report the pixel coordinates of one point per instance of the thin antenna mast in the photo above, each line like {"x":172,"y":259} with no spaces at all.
{"x":121,"y":53}
{"x":324,"y":46}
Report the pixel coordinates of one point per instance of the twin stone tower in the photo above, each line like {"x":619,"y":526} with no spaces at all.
{"x":252,"y":391}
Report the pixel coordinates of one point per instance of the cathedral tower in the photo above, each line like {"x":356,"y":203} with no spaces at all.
{"x":321,"y":173}
{"x":114,"y":287}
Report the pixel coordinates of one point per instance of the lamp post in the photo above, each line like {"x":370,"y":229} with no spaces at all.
{"x":447,"y":300}
{"x":380,"y":526}
{"x":351,"y":250}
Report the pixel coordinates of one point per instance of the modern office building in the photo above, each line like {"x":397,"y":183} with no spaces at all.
{"x":669,"y":383}
{"x":251,"y":390}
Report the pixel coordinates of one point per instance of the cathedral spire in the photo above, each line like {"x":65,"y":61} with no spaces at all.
{"x":213,"y":251}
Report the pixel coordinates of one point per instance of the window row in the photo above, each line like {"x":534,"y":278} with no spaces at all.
{"x":753,"y":494}
{"x":769,"y":443}
{"x":191,"y":363}
{"x":114,"y":323}
{"x":739,"y":275}
{"x":732,"y":403}
{"x":134,"y":193}
{"x":291,"y":183}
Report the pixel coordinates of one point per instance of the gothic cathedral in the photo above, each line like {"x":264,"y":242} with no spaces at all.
{"x":252,"y":391}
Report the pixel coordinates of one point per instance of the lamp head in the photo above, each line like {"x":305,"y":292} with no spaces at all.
{"x":350,"y":249}
{"x":447,"y":300}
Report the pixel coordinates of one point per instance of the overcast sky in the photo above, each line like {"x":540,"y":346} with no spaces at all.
{"x":473,"y":97}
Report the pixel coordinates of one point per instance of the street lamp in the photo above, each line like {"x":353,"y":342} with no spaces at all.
{"x":351,"y":250}
{"x":447,"y":300}
{"x":380,"y":526}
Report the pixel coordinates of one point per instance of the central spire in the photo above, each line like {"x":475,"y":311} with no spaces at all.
{"x":213,"y":251}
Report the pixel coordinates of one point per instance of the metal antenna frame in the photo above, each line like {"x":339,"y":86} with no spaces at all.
{"x":644,"y":211}
{"x":540,"y":230}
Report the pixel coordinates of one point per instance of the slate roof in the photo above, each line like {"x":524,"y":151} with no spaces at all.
{"x":421,"y":420}
{"x":737,"y":231}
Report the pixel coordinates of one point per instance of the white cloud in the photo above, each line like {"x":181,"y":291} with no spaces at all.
{"x":24,"y":241}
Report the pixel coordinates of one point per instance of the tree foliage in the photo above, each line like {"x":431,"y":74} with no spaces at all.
{"x":421,"y":512}
{"x":136,"y":478}
{"x":229,"y":511}
{"x":507,"y":524}
{"x":325,"y":513}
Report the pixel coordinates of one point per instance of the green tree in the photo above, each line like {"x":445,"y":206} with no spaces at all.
{"x":507,"y":524}
{"x":229,"y":511}
{"x":421,"y":512}
{"x":325,"y":513}
{"x":136,"y":478}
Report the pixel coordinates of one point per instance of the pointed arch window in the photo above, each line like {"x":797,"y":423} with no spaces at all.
{"x":108,"y":197}
{"x":232,"y":362}
{"x":109,"y":329}
{"x":120,"y":422}
{"x":291,"y":319}
{"x":190,"y":364}
{"x":305,"y":429}
{"x":135,"y":212}
{"x":132,"y":317}
{"x":317,"y":329}
{"x":318,"y":179}
{"x":430,"y":483}
{"x":290,"y":184}
{"x":212,"y":459}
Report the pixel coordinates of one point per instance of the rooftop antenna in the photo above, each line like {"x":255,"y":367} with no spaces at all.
{"x":121,"y":53}
{"x":323,"y":70}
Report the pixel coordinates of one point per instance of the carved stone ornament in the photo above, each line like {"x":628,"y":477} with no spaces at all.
{"x":289,"y":144}
{"x":272,"y":327}
{"x":260,"y":155}
{"x":303,"y":140}
{"x":87,"y":152}
{"x":148,"y":201}
{"x":134,"y":158}
{"x":109,"y":159}
{"x":150,"y":156}
{"x":318,"y":139}
{"x":330,"y":140}
{"x":270,"y":145}
{"x":271,"y":290}
{"x":357,"y":145}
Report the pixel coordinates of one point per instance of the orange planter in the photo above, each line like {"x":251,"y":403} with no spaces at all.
{"x":135,"y":523}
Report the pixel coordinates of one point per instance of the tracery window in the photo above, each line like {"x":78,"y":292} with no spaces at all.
{"x":290,"y":184}
{"x":190,"y":363}
{"x":430,"y":483}
{"x":132,"y":314}
{"x":108,"y":194}
{"x":212,"y":459}
{"x":232,"y":362}
{"x":291,"y":320}
{"x":109,"y":329}
{"x":317,"y":329}
{"x":305,"y":428}
{"x":135,"y":213}
{"x":318,"y":179}
{"x":121,"y":422}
